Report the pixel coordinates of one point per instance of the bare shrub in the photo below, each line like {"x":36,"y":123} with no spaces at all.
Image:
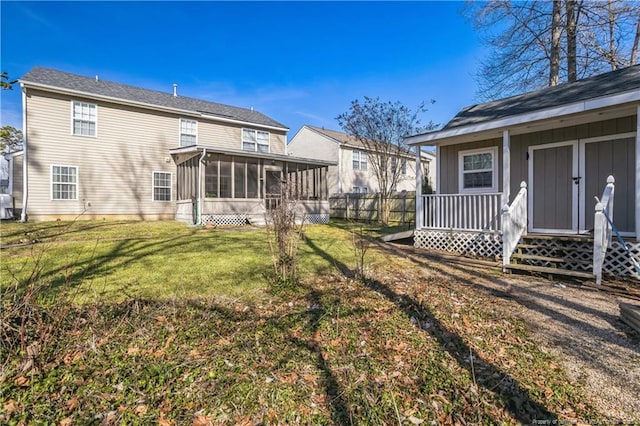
{"x":284,"y":226}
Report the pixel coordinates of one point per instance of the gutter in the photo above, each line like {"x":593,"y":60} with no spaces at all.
{"x":25,"y":163}
{"x":204,"y":154}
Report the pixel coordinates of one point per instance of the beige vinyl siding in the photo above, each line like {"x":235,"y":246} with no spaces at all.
{"x":310,"y":144}
{"x":115,"y":168}
{"x":229,"y":136}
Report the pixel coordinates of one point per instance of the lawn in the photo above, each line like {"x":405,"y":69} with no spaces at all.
{"x":137,"y":323}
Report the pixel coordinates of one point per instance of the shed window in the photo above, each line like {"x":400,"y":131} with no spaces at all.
{"x":84,"y":118}
{"x":64,"y":183}
{"x":477,"y":170}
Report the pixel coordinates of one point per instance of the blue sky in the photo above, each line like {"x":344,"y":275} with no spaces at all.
{"x":299,"y":63}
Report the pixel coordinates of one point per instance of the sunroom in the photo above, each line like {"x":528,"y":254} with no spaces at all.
{"x":226,"y":187}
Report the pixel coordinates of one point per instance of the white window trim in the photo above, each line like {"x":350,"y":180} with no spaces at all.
{"x":51,"y":182}
{"x":256,"y":133}
{"x":72,"y":119}
{"x":362,"y":158}
{"x":493,"y":150}
{"x":180,"y":130}
{"x":153,"y":187}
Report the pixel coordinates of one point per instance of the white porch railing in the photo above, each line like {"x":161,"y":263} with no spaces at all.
{"x":602,"y":227}
{"x":474,"y":212}
{"x":514,"y":223}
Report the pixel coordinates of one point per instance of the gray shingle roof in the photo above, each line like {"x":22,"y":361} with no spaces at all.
{"x":64,"y":80}
{"x":610,"y":83}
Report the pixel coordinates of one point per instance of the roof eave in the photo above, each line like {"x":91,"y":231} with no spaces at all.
{"x":250,"y":154}
{"x":436,"y":138}
{"x":56,"y":89}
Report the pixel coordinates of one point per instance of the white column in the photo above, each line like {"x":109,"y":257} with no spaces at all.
{"x":419,"y":201}
{"x":506,"y":166}
{"x":638,"y":173}
{"x":437,"y":172}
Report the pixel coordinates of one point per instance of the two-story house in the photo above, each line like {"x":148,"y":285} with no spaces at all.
{"x":353,"y":172}
{"x":99,"y":149}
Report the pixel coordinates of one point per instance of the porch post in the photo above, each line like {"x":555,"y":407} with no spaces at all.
{"x":419,"y":206}
{"x":638,"y":173}
{"x":506,"y":166}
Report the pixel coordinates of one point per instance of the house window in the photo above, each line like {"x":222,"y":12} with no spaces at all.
{"x":64,"y":183}
{"x":403,"y":165}
{"x":188,"y":132}
{"x":359,"y":160}
{"x":477,"y":170}
{"x":84,"y":118}
{"x":255,"y":140}
{"x":161,"y":186}
{"x":356,"y":190}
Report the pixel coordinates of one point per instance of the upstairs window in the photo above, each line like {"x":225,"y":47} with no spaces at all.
{"x":188,"y":132}
{"x":359,"y":160}
{"x":84,"y":118}
{"x":403,"y":165}
{"x":161,"y":186}
{"x":477,"y":170}
{"x":64,"y":183}
{"x":255,"y":140}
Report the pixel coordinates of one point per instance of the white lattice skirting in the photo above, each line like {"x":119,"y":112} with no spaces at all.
{"x":470,"y":243}
{"x":617,"y":260}
{"x":318,"y":218}
{"x":224,"y":219}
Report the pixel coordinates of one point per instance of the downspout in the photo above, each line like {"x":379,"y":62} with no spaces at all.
{"x":419,"y":200}
{"x":25,"y":163}
{"x":204,"y":153}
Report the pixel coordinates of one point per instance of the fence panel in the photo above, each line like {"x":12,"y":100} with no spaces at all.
{"x":367,"y":207}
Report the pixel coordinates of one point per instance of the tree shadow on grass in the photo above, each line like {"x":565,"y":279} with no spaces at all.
{"x":505,"y":388}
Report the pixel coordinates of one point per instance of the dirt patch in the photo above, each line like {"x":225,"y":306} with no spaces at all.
{"x":582,"y":327}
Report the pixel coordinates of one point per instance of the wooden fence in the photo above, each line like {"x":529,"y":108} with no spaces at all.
{"x":367,"y":207}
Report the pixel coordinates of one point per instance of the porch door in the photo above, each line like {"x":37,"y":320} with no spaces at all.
{"x":553,"y":203}
{"x":272,"y":187}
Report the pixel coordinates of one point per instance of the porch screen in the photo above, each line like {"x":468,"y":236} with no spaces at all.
{"x":252,"y":179}
{"x":227,"y":177}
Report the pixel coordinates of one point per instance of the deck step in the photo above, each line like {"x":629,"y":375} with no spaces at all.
{"x":526,"y":256}
{"x":552,"y":271}
{"x":571,"y":249}
{"x":559,"y":237}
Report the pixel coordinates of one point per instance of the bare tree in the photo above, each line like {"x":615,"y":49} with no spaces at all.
{"x":556,"y":33}
{"x":380,"y":127}
{"x":540,"y":43}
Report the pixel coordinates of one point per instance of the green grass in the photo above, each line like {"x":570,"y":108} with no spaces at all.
{"x":143,"y":323}
{"x":157,"y":260}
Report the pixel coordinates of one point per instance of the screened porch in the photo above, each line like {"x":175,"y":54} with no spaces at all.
{"x":235,"y":188}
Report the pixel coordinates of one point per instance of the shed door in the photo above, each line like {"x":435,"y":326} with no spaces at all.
{"x":616,"y":158}
{"x":554,"y":195}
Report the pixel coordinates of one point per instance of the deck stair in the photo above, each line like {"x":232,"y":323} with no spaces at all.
{"x":568,"y":255}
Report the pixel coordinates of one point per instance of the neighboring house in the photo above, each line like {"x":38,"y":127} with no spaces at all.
{"x":563,"y":143}
{"x":98,"y":149}
{"x":353,"y":172}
